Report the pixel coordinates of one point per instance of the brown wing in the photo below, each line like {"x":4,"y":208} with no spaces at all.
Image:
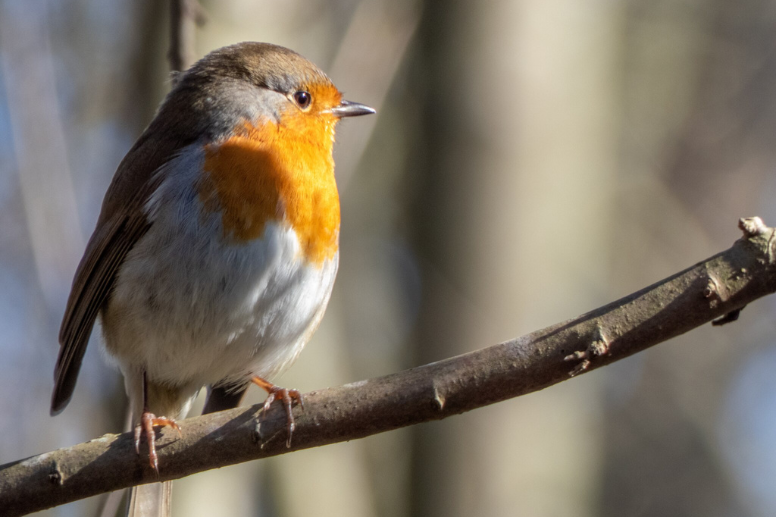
{"x":121,"y":224}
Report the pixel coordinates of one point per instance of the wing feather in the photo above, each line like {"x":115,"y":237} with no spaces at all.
{"x":121,"y":224}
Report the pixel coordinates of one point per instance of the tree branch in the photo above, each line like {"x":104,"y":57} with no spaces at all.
{"x":185,"y":16}
{"x":712,"y":289}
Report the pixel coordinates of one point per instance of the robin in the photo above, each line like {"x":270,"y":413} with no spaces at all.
{"x":216,"y":249}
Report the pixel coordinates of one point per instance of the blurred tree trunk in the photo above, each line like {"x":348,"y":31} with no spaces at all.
{"x":520,"y":164}
{"x":699,"y":104}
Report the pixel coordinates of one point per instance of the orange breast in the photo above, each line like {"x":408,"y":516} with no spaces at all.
{"x":276,"y":172}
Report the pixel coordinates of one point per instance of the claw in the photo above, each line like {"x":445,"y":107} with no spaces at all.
{"x":286,"y":397}
{"x":146,"y":427}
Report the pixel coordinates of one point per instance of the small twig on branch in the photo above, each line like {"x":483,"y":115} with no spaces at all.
{"x":185,"y":16}
{"x":717,"y":286}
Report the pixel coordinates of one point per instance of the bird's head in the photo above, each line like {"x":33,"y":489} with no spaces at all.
{"x":258,"y":83}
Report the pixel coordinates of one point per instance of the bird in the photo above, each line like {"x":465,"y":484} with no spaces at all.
{"x":217,"y":244}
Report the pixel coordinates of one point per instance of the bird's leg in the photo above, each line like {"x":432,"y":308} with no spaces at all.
{"x":286,"y":397}
{"x":146,"y":427}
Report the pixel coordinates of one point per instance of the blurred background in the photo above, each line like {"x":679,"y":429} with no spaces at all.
{"x":530,"y":161}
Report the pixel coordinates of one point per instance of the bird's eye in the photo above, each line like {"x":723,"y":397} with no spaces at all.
{"x":303,"y":99}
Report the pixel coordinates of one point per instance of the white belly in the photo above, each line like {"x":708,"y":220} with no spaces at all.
{"x":190,"y":307}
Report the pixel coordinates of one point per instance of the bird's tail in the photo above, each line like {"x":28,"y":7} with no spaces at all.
{"x":153,"y":500}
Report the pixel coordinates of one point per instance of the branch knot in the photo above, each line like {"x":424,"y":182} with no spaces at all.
{"x":598,"y":347}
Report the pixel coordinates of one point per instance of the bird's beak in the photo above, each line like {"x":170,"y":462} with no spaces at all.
{"x":351,"y":109}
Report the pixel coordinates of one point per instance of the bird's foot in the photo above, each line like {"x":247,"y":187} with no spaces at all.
{"x":286,"y":397}
{"x":146,"y":427}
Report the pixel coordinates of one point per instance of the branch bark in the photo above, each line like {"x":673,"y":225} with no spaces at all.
{"x":710,"y":290}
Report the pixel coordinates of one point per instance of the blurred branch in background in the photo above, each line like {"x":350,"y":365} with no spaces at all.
{"x":185,"y":16}
{"x":368,"y":59}
{"x":40,"y":149}
{"x":715,"y":288}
